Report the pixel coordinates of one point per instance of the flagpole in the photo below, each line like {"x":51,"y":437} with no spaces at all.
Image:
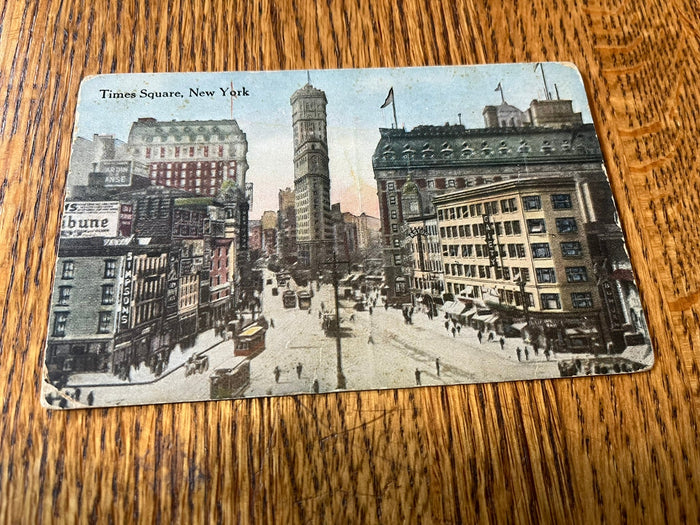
{"x":544,"y":81}
{"x":393,"y":106}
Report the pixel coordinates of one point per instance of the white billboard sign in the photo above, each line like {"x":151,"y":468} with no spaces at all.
{"x":90,"y":219}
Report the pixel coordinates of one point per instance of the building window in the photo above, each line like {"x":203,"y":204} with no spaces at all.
{"x":68,"y":271}
{"x":582,"y":300}
{"x":566,"y":225}
{"x":104,"y":322}
{"x":392,"y":199}
{"x":541,"y":250}
{"x":550,"y":301}
{"x":59,"y":324}
{"x":576,"y":274}
{"x":536,"y":226}
{"x":400,"y":285}
{"x":390,"y":186}
{"x":397,"y":243}
{"x":450,"y":183}
{"x":516,"y":228}
{"x":394,"y":214}
{"x":108,"y":294}
{"x":561,"y":201}
{"x":546,"y":275}
{"x":397,"y":260}
{"x":571,"y":249}
{"x":110,"y":269}
{"x":525,"y":275}
{"x":394,"y":228}
{"x":63,"y":295}
{"x":508,"y":205}
{"x":532,"y":202}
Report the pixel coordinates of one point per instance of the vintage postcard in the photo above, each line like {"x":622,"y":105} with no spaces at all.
{"x":247,"y":234}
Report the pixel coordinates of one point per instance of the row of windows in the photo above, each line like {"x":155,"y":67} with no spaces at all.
{"x":479,"y":229}
{"x":149,"y":264}
{"x":429,"y":266}
{"x":568,"y":249}
{"x":186,"y":151}
{"x":147,"y":312}
{"x":515,"y":251}
{"x":574,"y":274}
{"x":551,"y":301}
{"x":110,"y":269}
{"x":560,"y":201}
{"x":60,"y":323}
{"x":484,"y":272}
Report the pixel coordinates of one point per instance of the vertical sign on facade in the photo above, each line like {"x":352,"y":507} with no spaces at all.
{"x":490,"y":241}
{"x":125,"y":306}
{"x":243,"y":228}
{"x":172,"y":284}
{"x":126,"y":218}
{"x":613,"y":310}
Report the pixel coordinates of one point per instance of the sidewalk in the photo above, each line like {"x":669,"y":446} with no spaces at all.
{"x":142,"y":375}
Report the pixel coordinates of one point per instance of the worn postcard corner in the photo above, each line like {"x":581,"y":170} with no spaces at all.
{"x":245,"y":234}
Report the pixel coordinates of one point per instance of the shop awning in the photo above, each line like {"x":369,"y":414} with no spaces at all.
{"x":519,"y":326}
{"x":455,"y":308}
{"x":483,"y":317}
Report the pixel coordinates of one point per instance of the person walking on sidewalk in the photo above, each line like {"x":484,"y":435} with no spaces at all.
{"x":527,"y":354}
{"x":479,"y":335}
{"x":447,"y":326}
{"x":315,"y":386}
{"x":277,"y":372}
{"x":299,"y":369}
{"x":437,"y":365}
{"x":502,"y":342}
{"x":417,"y":377}
{"x":518,"y":351}
{"x":454,"y":331}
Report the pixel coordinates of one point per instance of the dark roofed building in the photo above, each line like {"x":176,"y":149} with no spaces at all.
{"x":441,"y":159}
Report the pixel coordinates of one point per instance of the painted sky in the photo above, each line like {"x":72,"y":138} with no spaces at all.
{"x":433,"y":95}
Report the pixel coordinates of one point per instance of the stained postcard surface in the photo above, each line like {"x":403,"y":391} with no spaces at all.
{"x":250,"y":234}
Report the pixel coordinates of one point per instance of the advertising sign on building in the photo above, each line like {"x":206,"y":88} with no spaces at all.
{"x":117,"y":172}
{"x":90,"y":219}
{"x":490,"y":241}
{"x":125,"y":306}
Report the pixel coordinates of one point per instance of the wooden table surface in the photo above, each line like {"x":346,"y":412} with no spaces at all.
{"x":615,"y":449}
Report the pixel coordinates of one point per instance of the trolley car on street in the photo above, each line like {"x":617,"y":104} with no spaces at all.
{"x":289,"y":299}
{"x":304,"y":300}
{"x":250,"y":342}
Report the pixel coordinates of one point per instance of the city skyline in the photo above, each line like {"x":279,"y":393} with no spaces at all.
{"x":354,"y":115}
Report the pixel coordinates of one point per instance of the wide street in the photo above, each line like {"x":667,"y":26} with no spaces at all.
{"x":379,"y":350}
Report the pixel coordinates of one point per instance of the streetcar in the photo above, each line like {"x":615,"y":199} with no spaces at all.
{"x":227,"y":383}
{"x":304,"y":298}
{"x":289,"y":299}
{"x":250,"y":341}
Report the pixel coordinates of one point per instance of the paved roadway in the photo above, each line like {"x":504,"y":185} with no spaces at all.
{"x":389,"y":359}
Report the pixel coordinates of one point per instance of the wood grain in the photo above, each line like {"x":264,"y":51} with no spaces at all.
{"x":610,"y":449}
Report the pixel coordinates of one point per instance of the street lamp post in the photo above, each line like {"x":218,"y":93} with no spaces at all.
{"x":523,"y":297}
{"x":338,"y":349}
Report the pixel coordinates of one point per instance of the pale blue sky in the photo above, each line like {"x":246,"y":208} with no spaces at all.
{"x":422,"y":95}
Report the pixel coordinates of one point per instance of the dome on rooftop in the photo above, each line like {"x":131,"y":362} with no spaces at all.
{"x":409,"y":188}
